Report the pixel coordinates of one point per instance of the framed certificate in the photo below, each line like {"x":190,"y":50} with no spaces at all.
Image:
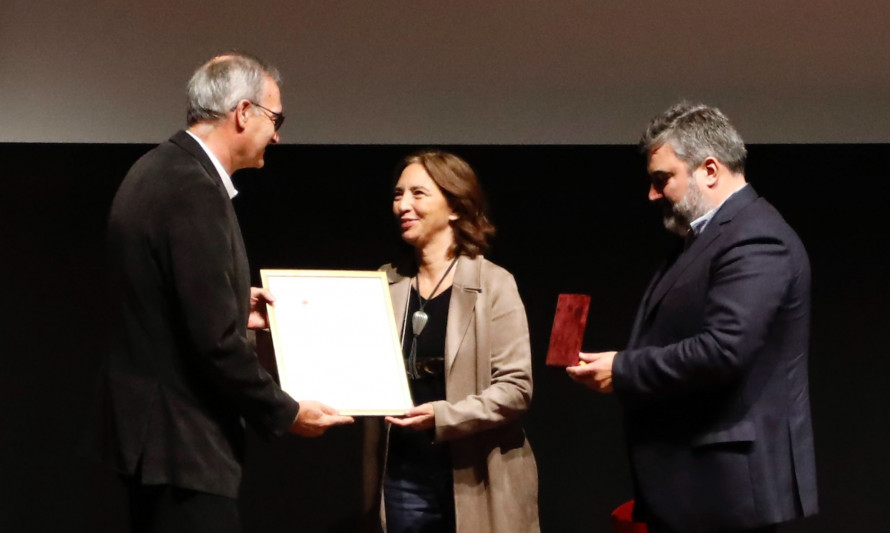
{"x":336,"y":341}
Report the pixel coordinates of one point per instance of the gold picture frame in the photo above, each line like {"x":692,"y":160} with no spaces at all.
{"x":336,"y":341}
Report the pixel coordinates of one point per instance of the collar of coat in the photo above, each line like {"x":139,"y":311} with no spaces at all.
{"x":467,"y":273}
{"x":671,"y":272}
{"x":185,"y":141}
{"x":468,"y":285}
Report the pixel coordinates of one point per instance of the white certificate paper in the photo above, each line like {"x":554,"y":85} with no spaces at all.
{"x":336,"y":341}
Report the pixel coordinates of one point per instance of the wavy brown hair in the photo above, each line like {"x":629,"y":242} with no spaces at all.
{"x":458,"y":183}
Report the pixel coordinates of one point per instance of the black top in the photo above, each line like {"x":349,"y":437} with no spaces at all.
{"x":407,"y":446}
{"x":430,"y":345}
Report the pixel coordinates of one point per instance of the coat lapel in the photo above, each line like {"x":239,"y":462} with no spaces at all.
{"x":399,"y":292}
{"x":714,"y":229}
{"x":643,"y":309}
{"x":680,"y":264}
{"x":466,"y":288}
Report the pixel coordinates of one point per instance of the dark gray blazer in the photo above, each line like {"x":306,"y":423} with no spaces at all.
{"x":714,"y":379}
{"x":180,"y":374}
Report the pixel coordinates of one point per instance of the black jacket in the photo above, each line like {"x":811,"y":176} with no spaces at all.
{"x":714,"y":380}
{"x":180,"y":373}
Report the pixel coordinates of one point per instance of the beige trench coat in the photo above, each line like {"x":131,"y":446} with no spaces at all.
{"x":488,"y":384}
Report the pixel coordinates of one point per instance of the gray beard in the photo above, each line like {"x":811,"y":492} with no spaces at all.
{"x":679,"y":216}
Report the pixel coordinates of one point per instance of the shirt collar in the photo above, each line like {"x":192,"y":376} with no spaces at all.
{"x":226,"y":179}
{"x":698,"y":225}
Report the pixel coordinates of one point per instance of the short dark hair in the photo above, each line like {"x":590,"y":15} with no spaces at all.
{"x":696,"y":132}
{"x":460,"y":186}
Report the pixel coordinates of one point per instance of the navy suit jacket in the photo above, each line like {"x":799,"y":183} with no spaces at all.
{"x":714,"y":380}
{"x":180,"y":374}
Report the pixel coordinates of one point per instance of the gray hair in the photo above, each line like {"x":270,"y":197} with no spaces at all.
{"x":218,"y":85}
{"x":696,"y":132}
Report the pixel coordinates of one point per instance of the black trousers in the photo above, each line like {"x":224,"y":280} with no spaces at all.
{"x":169,"y":509}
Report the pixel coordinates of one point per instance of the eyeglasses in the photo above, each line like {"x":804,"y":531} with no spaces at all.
{"x":276,"y":118}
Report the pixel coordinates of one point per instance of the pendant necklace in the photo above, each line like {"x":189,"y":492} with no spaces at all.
{"x":419,"y":320}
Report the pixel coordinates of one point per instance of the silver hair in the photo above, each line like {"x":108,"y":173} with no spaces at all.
{"x":696,"y":132}
{"x":218,"y":85}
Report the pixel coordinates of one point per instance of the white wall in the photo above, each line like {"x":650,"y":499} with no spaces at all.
{"x":453,"y":71}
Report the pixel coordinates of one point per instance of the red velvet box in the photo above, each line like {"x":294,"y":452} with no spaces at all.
{"x":568,"y":329}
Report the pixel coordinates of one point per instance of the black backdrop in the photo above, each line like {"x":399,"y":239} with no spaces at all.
{"x":569,"y":218}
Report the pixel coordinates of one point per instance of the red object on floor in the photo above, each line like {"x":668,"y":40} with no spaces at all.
{"x":622,"y":519}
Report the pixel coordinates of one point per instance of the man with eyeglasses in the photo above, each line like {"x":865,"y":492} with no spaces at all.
{"x":181,"y":376}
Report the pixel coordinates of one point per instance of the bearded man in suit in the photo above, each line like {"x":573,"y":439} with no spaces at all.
{"x":181,"y":377}
{"x":714,"y":379}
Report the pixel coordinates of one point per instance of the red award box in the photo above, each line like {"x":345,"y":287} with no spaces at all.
{"x":568,"y":329}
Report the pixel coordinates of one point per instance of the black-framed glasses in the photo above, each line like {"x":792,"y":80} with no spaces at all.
{"x":276,"y":118}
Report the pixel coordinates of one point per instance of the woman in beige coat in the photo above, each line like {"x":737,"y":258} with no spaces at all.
{"x":459,"y":460}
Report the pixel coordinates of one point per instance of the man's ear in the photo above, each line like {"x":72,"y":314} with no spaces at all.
{"x":242,"y":113}
{"x":712,"y":169}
